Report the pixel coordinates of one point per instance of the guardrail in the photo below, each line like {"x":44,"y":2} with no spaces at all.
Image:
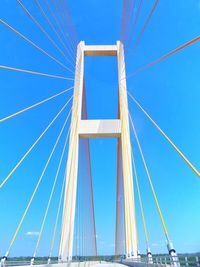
{"x":157,"y":261}
{"x":27,"y":262}
{"x":43,"y":262}
{"x":163,"y":261}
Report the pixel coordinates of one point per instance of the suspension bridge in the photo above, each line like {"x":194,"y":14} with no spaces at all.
{"x":77,"y":234}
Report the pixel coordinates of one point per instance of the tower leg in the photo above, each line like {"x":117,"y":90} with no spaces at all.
{"x":67,"y":234}
{"x":129,"y":208}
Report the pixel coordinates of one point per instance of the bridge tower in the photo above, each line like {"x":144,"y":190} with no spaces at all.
{"x":81,"y":128}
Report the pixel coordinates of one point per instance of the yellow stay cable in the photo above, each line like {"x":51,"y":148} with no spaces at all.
{"x":140,"y":199}
{"x":72,"y":133}
{"x":64,"y":209}
{"x":73,"y":187}
{"x":34,"y":192}
{"x":72,"y":170}
{"x":138,"y":189}
{"x":73,"y":148}
{"x":35,"y":105}
{"x":42,"y":29}
{"x":74,"y":121}
{"x":35,"y":72}
{"x":129,"y":165}
{"x":53,"y":187}
{"x":57,"y":216}
{"x":60,"y":202}
{"x":149,"y":178}
{"x":33,"y":44}
{"x":126,"y":200}
{"x":166,"y":137}
{"x":33,"y":145}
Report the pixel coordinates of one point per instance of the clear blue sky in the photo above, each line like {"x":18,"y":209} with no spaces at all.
{"x":169,"y":92}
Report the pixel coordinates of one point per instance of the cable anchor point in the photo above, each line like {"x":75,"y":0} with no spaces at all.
{"x":173,"y":254}
{"x":3,"y":260}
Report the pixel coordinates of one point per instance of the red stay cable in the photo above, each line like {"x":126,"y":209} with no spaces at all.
{"x":196,"y":39}
{"x":146,"y":24}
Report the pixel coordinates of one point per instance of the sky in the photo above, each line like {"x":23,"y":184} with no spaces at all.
{"x":169,"y":91}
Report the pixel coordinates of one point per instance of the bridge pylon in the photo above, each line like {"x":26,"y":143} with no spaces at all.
{"x":81,"y":128}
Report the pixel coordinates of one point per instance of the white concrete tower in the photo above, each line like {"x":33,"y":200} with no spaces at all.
{"x":80,"y":128}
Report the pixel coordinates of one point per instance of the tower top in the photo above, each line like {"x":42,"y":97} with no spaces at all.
{"x":99,"y":50}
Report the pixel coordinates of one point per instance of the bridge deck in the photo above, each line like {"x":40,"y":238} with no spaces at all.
{"x":72,"y":264}
{"x":109,"y":264}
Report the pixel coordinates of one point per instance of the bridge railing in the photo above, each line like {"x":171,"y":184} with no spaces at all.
{"x":44,"y":262}
{"x":27,"y":262}
{"x":157,"y":261}
{"x":163,"y":261}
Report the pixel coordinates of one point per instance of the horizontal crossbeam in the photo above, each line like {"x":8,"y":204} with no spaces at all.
{"x":99,"y":128}
{"x":100,"y":50}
